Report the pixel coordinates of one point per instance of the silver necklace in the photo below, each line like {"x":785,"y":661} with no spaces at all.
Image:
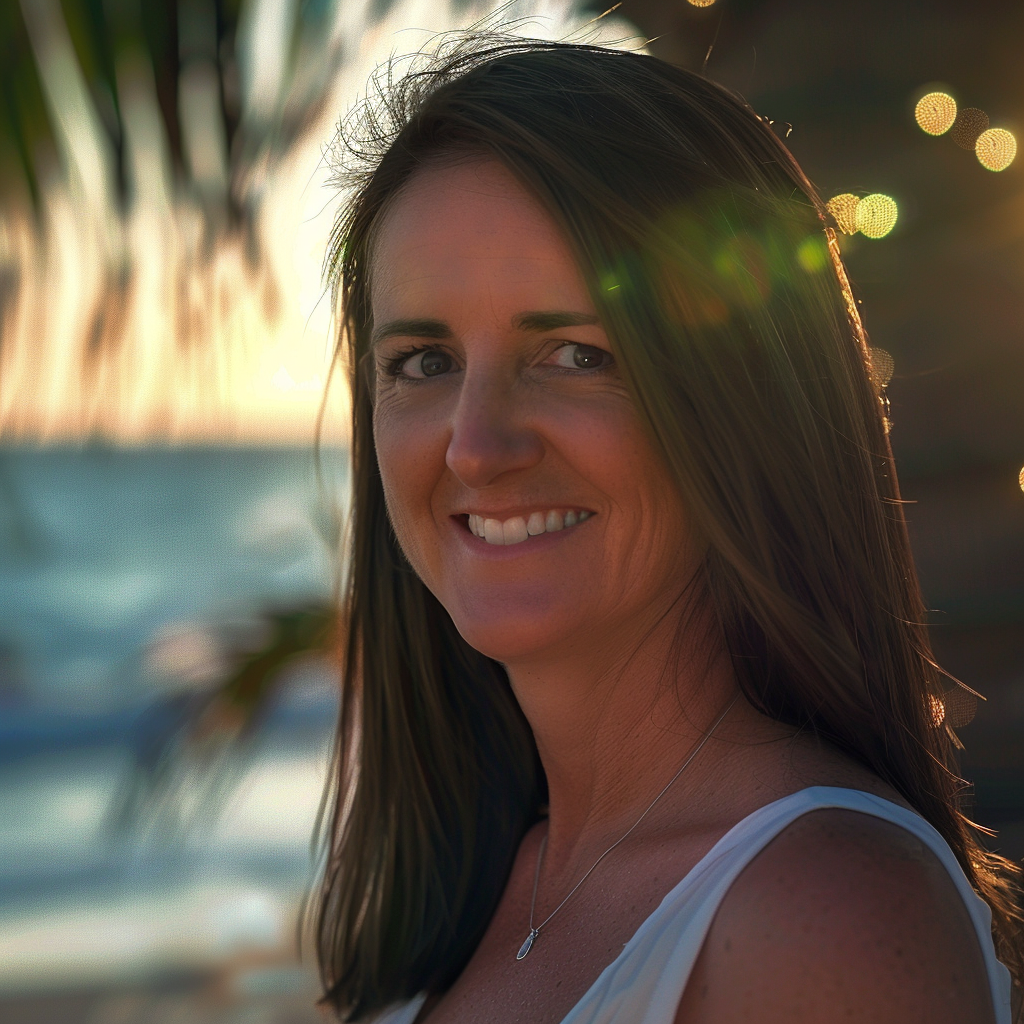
{"x":535,"y":931}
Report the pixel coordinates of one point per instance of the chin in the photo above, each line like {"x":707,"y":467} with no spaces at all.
{"x":509,"y":638}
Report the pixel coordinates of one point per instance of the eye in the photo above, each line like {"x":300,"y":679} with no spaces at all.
{"x":574,"y":356}
{"x":420,"y":363}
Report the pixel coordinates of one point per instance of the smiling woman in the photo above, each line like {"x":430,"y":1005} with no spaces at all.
{"x":510,"y":412}
{"x":638,"y":722}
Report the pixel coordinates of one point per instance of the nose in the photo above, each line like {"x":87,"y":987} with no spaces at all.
{"x":492,"y":432}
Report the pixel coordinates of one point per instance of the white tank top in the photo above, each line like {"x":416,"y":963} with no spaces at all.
{"x":645,"y":982}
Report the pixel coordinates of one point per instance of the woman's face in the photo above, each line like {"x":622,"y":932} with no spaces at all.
{"x":499,"y":410}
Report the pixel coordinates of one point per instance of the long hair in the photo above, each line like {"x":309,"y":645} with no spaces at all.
{"x":716,"y":275}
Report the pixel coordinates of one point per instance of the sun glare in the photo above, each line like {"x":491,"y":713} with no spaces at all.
{"x":160,"y":322}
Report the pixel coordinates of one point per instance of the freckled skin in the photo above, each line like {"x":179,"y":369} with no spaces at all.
{"x":840,"y":917}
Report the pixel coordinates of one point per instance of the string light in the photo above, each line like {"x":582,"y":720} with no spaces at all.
{"x":876,"y":215}
{"x":969,"y":124}
{"x":882,"y":367}
{"x":844,"y":211}
{"x":935,"y":113}
{"x":961,"y":705}
{"x":935,"y":709}
{"x":996,"y":149}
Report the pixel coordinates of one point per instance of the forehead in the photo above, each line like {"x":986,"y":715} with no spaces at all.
{"x":467,"y":230}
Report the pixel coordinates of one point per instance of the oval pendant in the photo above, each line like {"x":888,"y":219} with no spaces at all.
{"x":528,"y":944}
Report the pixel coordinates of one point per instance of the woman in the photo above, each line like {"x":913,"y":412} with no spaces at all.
{"x":639,"y":720}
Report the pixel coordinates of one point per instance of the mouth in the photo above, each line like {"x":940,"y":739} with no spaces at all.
{"x":519,"y":529}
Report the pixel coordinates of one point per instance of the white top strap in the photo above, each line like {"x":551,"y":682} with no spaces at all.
{"x":645,"y":983}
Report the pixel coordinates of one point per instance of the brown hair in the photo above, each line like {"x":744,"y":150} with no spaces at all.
{"x":719,"y":282}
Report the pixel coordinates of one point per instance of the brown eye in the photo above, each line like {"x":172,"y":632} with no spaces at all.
{"x":583,"y":357}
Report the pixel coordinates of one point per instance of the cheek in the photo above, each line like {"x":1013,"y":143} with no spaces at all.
{"x":647,"y":501}
{"x":404,"y":460}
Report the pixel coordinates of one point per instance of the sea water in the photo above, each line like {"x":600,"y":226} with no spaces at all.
{"x":129,"y":579}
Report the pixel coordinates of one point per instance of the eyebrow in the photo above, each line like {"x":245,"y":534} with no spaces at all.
{"x":553,"y":320}
{"x":438,"y":330}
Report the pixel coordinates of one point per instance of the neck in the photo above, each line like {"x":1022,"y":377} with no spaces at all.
{"x":612,"y":730}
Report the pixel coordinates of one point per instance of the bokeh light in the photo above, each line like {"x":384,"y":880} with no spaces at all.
{"x":935,"y":709}
{"x":969,"y":124}
{"x":882,"y":367}
{"x":1020,"y":478}
{"x":996,"y":149}
{"x":935,"y":113}
{"x":701,"y":3}
{"x":844,"y":209}
{"x":812,"y":254}
{"x":876,"y":215}
{"x":961,"y":704}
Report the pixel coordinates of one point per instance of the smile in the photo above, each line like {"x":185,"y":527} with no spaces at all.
{"x":519,"y":528}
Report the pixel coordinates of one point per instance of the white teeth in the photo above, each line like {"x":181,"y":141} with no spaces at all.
{"x":515,"y":530}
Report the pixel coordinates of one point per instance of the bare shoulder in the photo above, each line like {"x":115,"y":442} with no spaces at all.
{"x":842,"y":916}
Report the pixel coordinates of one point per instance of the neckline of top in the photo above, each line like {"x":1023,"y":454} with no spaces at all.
{"x":829,"y":796}
{"x":819,"y":797}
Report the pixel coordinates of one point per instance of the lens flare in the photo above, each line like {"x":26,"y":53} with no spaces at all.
{"x":876,"y":215}
{"x":882,"y":367}
{"x":812,"y":254}
{"x":844,"y":210}
{"x":996,"y":149}
{"x":935,"y":113}
{"x":969,"y":124}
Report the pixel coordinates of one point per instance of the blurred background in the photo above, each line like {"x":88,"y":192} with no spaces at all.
{"x":169,"y":527}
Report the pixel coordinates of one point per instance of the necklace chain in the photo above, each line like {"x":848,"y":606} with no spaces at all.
{"x":535,"y":931}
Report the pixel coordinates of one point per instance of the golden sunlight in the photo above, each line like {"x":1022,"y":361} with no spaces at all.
{"x":177,"y":314}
